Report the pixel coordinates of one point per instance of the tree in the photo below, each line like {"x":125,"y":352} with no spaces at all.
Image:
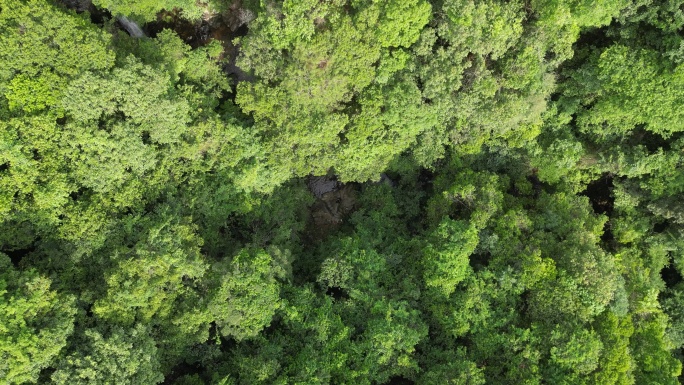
{"x":35,"y":323}
{"x":654,"y":361}
{"x":310,"y":59}
{"x":616,"y":364}
{"x":446,"y":258}
{"x":509,"y":176}
{"x":124,"y":356}
{"x":630,"y":87}
{"x":41,"y":41}
{"x":248,"y":294}
{"x":147,"y":10}
{"x":43,"y":49}
{"x":149,"y":282}
{"x":451,"y":367}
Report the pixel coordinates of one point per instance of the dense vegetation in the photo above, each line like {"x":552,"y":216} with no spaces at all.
{"x":342,"y":192}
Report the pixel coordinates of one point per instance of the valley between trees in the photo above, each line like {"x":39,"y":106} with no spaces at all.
{"x":341,"y":192}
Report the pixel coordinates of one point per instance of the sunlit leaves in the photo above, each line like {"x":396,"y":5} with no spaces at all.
{"x":124,"y":356}
{"x":147,"y":10}
{"x":446,"y":258}
{"x":248,"y":295}
{"x":35,"y":322}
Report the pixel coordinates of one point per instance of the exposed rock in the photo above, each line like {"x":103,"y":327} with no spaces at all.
{"x":330,"y":210}
{"x":236,"y":16}
{"x":131,"y":27}
{"x":334,"y":202}
{"x":321,"y":185}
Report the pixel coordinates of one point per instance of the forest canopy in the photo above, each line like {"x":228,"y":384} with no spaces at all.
{"x":380,"y":192}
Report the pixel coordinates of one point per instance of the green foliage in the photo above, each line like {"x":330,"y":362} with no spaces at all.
{"x":39,"y":39}
{"x":616,"y":362}
{"x":248,"y":295}
{"x":399,"y":22}
{"x":501,"y":201}
{"x":629,"y":88}
{"x":389,"y":341}
{"x":35,"y":323}
{"x":578,"y":352}
{"x":310,"y":60}
{"x":482,"y":27}
{"x":121,"y":356}
{"x":152,"y":278}
{"x":446,"y":258}
{"x":580,"y":12}
{"x":452,"y":368}
{"x":390,"y":119}
{"x":655,"y":363}
{"x":147,"y":10}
